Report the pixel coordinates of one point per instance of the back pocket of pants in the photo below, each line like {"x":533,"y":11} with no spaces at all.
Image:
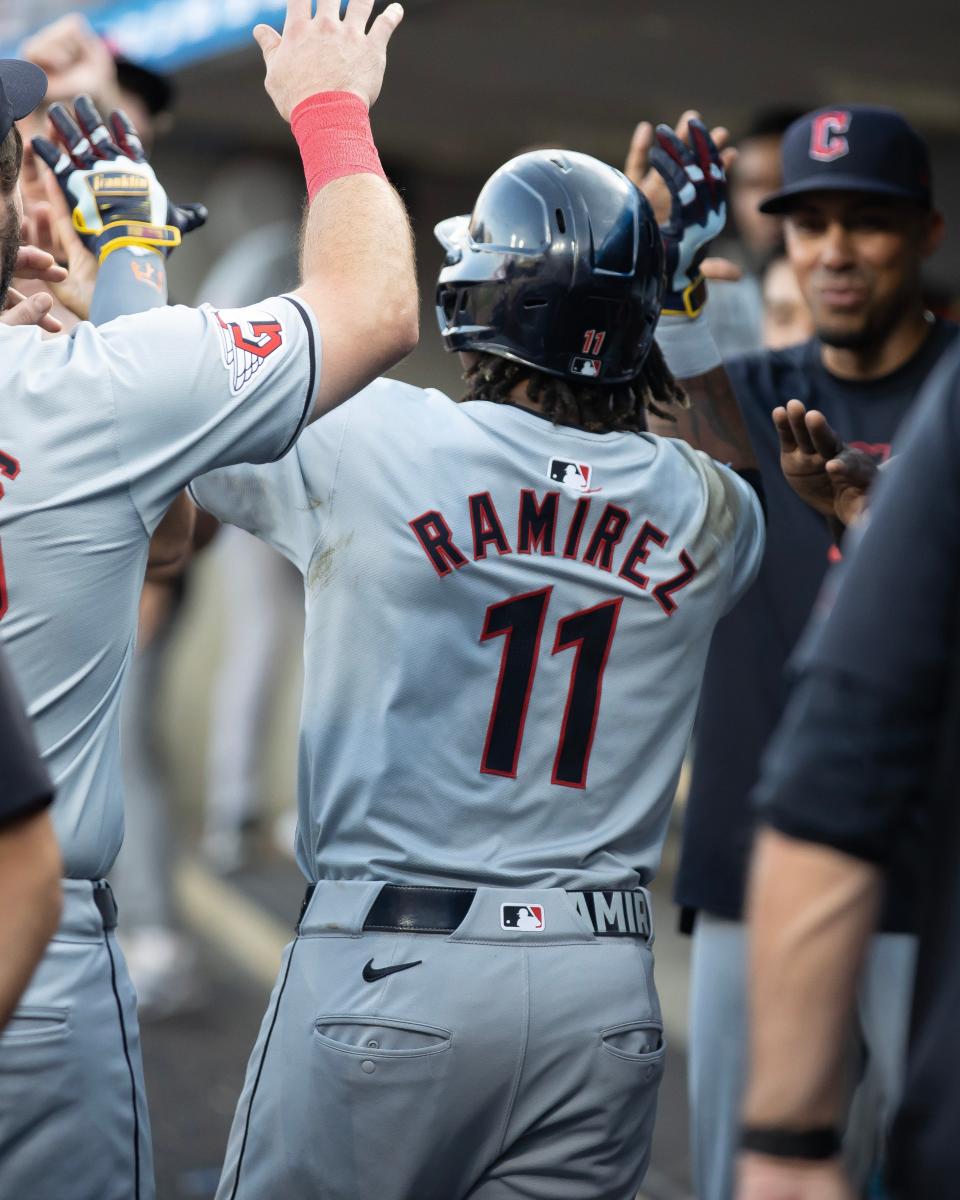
{"x":636,"y":1041}
{"x":380,"y":1036}
{"x":34,"y":1024}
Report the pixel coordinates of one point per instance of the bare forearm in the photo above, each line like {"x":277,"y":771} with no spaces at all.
{"x":812,"y":911}
{"x":713,"y":422}
{"x":29,"y":903}
{"x":359,"y":279}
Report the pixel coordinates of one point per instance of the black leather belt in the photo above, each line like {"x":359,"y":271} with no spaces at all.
{"x":401,"y":908}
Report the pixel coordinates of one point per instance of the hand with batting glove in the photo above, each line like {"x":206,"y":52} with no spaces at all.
{"x":693,"y":173}
{"x":115,"y":197}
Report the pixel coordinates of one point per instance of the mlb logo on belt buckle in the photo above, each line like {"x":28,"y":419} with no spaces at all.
{"x":521,"y":916}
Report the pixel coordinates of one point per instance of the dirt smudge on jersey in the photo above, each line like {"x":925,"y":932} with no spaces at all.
{"x":324,"y":565}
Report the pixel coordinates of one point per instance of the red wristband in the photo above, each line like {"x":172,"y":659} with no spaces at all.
{"x":333,"y":132}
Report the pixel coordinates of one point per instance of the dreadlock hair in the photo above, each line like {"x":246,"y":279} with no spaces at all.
{"x":592,"y":406}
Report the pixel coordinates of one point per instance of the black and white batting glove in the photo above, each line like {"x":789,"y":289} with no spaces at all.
{"x":697,"y":182}
{"x":115,"y":197}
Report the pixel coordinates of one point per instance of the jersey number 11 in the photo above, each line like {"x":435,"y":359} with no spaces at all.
{"x":589,"y":633}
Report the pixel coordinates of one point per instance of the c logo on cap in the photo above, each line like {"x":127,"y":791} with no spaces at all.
{"x":826,"y":137}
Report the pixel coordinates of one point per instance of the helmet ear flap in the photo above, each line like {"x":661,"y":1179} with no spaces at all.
{"x":453,"y":234}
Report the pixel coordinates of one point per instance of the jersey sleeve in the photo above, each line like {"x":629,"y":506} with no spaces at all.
{"x":196,"y":389}
{"x":736,"y":515}
{"x":286,"y":503}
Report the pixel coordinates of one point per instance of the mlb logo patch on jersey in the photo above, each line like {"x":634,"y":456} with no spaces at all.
{"x":521,"y":916}
{"x":574,"y":475}
{"x":248,"y":339}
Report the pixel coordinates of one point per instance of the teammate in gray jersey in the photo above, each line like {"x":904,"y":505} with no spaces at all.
{"x":99,"y":432}
{"x":508,"y":608}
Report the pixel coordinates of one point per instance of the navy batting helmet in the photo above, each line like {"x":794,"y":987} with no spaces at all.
{"x":559,"y":267}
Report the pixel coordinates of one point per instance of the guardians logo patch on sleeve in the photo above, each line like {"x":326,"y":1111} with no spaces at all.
{"x":249,"y":339}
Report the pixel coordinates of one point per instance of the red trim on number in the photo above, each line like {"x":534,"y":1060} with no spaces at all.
{"x":615,"y":605}
{"x":9,"y":467}
{"x":639,"y":552}
{"x":663,"y":592}
{"x":571,"y":547}
{"x":444,"y":534}
{"x":505,"y":653}
{"x":493,"y":534}
{"x":548,"y":535}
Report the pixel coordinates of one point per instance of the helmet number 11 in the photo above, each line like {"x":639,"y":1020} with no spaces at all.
{"x":589,"y":633}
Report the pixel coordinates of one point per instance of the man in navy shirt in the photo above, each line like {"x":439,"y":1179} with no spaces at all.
{"x":865,"y":762}
{"x":859,"y":222}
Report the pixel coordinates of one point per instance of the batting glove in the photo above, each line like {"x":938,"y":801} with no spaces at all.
{"x":698,"y":211}
{"x":115,"y":197}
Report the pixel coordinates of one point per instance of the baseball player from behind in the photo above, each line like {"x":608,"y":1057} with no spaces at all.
{"x":100,"y":431}
{"x":509,"y":603}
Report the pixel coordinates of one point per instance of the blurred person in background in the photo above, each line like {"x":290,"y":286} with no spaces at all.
{"x":860,"y":780}
{"x":786,"y":315}
{"x":262,"y":604}
{"x":859,"y":223}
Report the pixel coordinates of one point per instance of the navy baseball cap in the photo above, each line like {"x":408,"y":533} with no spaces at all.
{"x":856,"y":148}
{"x":22,"y":87}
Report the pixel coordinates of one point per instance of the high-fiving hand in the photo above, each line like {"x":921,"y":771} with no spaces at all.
{"x":115,"y":197}
{"x":640,"y":170}
{"x":827,"y":474}
{"x":324,"y":53}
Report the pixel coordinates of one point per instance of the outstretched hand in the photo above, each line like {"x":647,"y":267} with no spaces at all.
{"x":639,"y":171}
{"x":831,"y":477}
{"x":110,"y":188}
{"x":324,"y":53}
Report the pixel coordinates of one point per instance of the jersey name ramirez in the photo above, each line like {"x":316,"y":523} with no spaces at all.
{"x":608,"y":539}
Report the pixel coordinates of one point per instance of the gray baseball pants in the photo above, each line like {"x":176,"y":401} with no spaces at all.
{"x":718,"y":1049}
{"x":73,"y":1112}
{"x":504,"y":1064}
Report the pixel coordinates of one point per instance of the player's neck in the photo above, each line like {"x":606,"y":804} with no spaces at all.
{"x":883,"y":358}
{"x":520,"y":398}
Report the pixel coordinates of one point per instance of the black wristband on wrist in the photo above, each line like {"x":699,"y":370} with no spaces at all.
{"x":791,"y":1143}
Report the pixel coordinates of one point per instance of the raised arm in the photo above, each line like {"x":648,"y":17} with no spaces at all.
{"x":323,"y":75}
{"x":683,"y":175}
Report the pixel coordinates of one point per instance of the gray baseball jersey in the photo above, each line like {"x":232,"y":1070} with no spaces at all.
{"x":507,"y":623}
{"x":100,"y":431}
